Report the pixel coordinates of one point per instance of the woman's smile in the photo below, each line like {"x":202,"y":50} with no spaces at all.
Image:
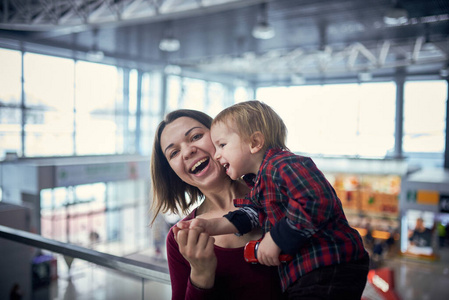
{"x":200,"y":166}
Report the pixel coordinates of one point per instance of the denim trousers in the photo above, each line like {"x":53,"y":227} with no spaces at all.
{"x":344,"y":281}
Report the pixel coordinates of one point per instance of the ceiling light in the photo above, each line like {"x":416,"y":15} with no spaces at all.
{"x":365,"y":76}
{"x":95,"y":55}
{"x":263,"y":30}
{"x":169,"y":44}
{"x":396,"y":15}
{"x":172,"y":70}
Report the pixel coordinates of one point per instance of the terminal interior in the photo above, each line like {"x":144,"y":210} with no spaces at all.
{"x":361,"y":85}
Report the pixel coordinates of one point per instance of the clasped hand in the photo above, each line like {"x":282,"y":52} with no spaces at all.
{"x":267,"y":254}
{"x":197,"y":247}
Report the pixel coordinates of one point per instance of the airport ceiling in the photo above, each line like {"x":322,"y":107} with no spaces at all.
{"x":313,"y":40}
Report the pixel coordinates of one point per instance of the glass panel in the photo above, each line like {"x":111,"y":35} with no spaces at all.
{"x":377,"y":118}
{"x":98,"y":129}
{"x":10,"y":131}
{"x":151,"y":93}
{"x":96,"y":87}
{"x":193,"y":94}
{"x":242,"y":94}
{"x":425,"y":116}
{"x":149,"y":125}
{"x":48,"y":133}
{"x":50,"y":96}
{"x":51,"y":275}
{"x":133,"y":91}
{"x":10,"y":77}
{"x":50,"y":89}
{"x":75,"y":214}
{"x":173,"y":92}
{"x":96,"y":134}
{"x":47,"y":144}
{"x":335,"y":119}
{"x":216,"y":98}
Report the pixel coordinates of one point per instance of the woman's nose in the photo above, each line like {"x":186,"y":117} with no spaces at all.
{"x":188,"y":151}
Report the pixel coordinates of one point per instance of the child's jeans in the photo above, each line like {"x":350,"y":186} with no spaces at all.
{"x":344,"y":281}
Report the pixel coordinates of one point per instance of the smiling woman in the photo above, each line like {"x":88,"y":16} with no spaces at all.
{"x":185,"y":175}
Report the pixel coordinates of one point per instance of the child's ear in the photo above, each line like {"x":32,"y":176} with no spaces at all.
{"x":257,"y":142}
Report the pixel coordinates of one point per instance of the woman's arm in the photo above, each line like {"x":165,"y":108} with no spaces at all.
{"x":192,"y":264}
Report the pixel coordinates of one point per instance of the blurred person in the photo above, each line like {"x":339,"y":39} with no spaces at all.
{"x":421,"y":236}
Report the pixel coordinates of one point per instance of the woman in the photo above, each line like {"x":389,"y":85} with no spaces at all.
{"x":201,"y":266}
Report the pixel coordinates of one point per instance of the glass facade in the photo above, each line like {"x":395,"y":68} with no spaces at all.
{"x":52,"y":106}
{"x":346,"y":119}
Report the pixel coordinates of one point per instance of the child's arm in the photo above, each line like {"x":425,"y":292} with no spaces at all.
{"x":215,"y":226}
{"x":268,"y":252}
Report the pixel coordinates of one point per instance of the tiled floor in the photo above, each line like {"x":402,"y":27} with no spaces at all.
{"x":421,"y":280}
{"x":414,"y":280}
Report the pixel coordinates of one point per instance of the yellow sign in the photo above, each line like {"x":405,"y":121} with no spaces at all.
{"x":427,"y":197}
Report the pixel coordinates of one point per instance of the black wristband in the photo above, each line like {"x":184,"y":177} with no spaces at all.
{"x":240,"y":220}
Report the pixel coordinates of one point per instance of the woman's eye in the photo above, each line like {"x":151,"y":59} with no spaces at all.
{"x":173,"y":154}
{"x":196,"y":137}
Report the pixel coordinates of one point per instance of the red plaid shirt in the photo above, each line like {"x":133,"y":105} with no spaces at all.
{"x":300,"y":208}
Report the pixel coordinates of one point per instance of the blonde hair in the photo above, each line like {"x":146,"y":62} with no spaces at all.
{"x":252,"y":116}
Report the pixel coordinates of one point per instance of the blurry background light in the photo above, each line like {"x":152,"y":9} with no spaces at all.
{"x":396,"y":15}
{"x":263,"y":30}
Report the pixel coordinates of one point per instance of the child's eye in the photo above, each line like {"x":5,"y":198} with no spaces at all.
{"x":221,"y":145}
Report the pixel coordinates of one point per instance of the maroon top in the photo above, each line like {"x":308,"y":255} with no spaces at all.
{"x":234,"y":279}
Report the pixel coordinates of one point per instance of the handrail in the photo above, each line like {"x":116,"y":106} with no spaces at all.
{"x":122,"y":264}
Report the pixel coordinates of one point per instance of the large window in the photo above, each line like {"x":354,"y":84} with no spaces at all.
{"x":49,"y":96}
{"x":209,"y":97}
{"x":345,"y":119}
{"x":216,"y":98}
{"x":100,"y":120}
{"x":70,"y":108}
{"x":81,"y":108}
{"x":150,"y":110}
{"x":10,"y":101}
{"x":425,"y":116}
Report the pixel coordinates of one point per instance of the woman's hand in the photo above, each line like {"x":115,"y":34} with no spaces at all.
{"x":197,"y":247}
{"x":268,"y":252}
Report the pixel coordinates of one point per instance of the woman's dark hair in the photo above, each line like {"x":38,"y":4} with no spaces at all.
{"x":169,"y":191}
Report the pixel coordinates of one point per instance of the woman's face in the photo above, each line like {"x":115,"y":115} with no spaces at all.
{"x":187,"y":145}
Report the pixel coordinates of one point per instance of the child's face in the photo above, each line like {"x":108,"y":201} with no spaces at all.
{"x":231,"y":151}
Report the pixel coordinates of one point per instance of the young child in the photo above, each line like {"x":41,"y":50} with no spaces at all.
{"x":294,"y":204}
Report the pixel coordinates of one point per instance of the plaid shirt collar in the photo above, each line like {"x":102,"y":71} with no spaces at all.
{"x":251,"y":179}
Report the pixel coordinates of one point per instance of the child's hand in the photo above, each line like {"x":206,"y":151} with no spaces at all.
{"x":214,"y":226}
{"x":184,"y":224}
{"x":197,"y":223}
{"x":268,"y":252}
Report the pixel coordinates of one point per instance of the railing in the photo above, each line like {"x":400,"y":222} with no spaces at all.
{"x":142,"y":270}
